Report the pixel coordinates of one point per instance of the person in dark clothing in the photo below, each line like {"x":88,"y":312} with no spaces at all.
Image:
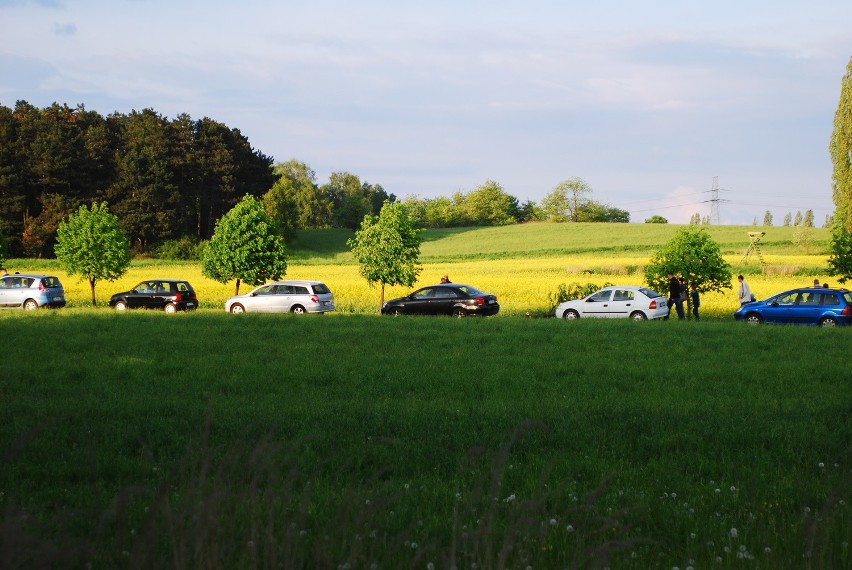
{"x":675,"y":296}
{"x":696,"y":301}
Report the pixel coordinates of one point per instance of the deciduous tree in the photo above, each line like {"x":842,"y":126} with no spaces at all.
{"x":92,"y":244}
{"x":247,"y":245}
{"x":387,"y":247}
{"x":840,"y":148}
{"x":693,"y":255}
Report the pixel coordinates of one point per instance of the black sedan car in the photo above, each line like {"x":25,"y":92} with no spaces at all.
{"x":444,"y":299}
{"x":169,"y":295}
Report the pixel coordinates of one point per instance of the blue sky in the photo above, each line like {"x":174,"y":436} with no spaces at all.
{"x":645,"y":101}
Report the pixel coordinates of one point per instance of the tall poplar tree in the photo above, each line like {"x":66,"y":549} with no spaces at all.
{"x":841,"y":153}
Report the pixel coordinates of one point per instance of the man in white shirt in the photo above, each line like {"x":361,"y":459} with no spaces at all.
{"x":744,"y":291}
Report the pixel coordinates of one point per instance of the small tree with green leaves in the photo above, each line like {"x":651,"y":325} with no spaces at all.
{"x":840,"y":259}
{"x":246,"y":245}
{"x":693,"y":255}
{"x":387,"y":247}
{"x":657,"y":219}
{"x":92,"y":244}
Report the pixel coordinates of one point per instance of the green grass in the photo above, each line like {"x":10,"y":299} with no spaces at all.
{"x":149,"y":440}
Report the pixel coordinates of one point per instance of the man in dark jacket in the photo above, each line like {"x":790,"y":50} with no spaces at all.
{"x":675,"y":295}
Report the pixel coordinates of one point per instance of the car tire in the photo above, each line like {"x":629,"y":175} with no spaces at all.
{"x":638,"y":316}
{"x":298,"y":310}
{"x":30,"y":305}
{"x":571,"y":315}
{"x":828,"y":322}
{"x":753,"y":319}
{"x":395,"y":312}
{"x":237,"y":309}
{"x":121,"y":306}
{"x":459,"y":313}
{"x":170,"y":308}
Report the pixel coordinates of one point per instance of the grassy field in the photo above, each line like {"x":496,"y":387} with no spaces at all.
{"x":146,"y":440}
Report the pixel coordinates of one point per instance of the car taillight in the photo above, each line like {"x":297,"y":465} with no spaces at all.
{"x":653,"y":304}
{"x":847,"y":310}
{"x":480,"y":300}
{"x":314,"y":299}
{"x":40,"y":286}
{"x":178,"y":297}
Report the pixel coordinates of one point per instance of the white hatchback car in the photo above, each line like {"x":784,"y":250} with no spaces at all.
{"x":637,"y":303}
{"x":297,"y":297}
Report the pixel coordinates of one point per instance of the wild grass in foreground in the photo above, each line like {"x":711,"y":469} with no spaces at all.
{"x":146,"y":440}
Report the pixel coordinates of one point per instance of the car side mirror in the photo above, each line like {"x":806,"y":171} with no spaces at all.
{"x":134,"y":291}
{"x":252,"y":294}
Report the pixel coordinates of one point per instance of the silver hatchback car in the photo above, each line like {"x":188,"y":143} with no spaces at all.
{"x":297,"y":297}
{"x":30,"y":291}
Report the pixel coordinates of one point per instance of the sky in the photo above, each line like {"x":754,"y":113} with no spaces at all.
{"x":652,"y":103}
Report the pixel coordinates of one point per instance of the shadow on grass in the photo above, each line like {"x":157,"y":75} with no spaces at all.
{"x":256,"y":508}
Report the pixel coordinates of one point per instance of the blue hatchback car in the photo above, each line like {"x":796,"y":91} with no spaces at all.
{"x":805,"y":306}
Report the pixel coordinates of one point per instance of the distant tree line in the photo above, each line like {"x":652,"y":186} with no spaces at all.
{"x":163,"y":179}
{"x":173,"y":179}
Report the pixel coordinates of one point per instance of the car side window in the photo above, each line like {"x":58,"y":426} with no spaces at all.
{"x":265,"y":290}
{"x":601,"y":296}
{"x":829,"y":299}
{"x":297,"y":290}
{"x":788,"y":299}
{"x":425,"y":294}
{"x":622,"y":295}
{"x":444,"y":293}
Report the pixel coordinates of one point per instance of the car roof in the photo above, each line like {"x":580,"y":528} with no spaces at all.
{"x":633,"y":287}
{"x":294,"y":282}
{"x":166,"y":280}
{"x":33,"y":275}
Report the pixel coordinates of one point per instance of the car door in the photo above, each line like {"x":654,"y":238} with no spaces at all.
{"x":157,"y":298}
{"x":138,"y":296}
{"x":443,"y":301}
{"x":263,"y":299}
{"x":782,"y":309}
{"x":418,"y":302}
{"x":808,"y":311}
{"x":622,"y":303}
{"x":597,"y":304}
{"x":5,"y":291}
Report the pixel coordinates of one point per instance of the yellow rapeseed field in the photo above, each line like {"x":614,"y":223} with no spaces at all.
{"x":494,"y":260}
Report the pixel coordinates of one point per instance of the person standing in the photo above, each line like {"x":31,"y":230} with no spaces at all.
{"x":696,"y":301}
{"x":744,"y":292}
{"x":675,"y":295}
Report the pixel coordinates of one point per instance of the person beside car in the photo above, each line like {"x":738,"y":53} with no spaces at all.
{"x":696,"y":301}
{"x":675,"y":296}
{"x":743,"y":292}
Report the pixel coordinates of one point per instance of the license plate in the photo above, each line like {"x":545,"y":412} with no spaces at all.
{"x":59,"y":298}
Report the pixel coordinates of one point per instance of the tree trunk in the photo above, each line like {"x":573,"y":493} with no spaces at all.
{"x":382,"y":301}
{"x":92,"y":285}
{"x":237,"y":290}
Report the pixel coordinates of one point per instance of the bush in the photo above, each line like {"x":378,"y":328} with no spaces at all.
{"x":573,"y":291}
{"x":185,"y":249}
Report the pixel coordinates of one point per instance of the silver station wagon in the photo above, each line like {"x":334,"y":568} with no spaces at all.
{"x":297,"y":297}
{"x":31,"y":291}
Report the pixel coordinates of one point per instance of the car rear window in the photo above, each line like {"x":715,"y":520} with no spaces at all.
{"x":184,"y":287}
{"x":649,"y":293}
{"x":51,"y":282}
{"x":321,"y":289}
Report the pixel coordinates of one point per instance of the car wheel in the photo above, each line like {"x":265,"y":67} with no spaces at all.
{"x":121,"y":306}
{"x":30,"y":305}
{"x":638,"y":316}
{"x":237,"y":309}
{"x":395,"y":312}
{"x":170,"y":308}
{"x":571,"y":315}
{"x":828,"y":322}
{"x":298,"y":310}
{"x":459,"y":313}
{"x":753,"y":319}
